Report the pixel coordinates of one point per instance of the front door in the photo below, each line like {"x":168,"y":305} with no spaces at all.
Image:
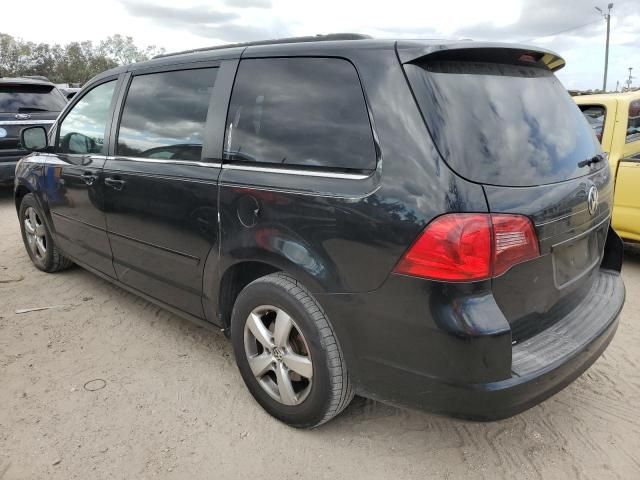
{"x":73,"y":178}
{"x":160,"y":190}
{"x":626,"y":212}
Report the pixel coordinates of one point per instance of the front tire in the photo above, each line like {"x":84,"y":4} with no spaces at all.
{"x":37,"y":238}
{"x":287,"y":352}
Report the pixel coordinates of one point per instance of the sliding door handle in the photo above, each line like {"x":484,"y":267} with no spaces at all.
{"x":115,"y":183}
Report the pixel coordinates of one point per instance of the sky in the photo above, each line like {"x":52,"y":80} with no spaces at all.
{"x":573,"y":28}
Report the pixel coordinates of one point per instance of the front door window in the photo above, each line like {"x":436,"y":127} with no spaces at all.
{"x":83,"y":129}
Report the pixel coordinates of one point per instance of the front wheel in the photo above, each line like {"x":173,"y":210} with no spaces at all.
{"x":37,"y":238}
{"x":287,"y":352}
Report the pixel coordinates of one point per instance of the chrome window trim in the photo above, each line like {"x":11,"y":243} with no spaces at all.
{"x":289,"y":171}
{"x":168,"y":161}
{"x":26,"y":122}
{"x":248,"y":168}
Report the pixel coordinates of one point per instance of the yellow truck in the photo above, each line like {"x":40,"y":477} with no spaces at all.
{"x":615,"y":119}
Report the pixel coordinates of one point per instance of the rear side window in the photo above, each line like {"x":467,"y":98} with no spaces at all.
{"x":30,"y":98}
{"x":164,"y":115}
{"x":307,"y":112}
{"x":596,"y":116}
{"x":633,"y":126}
{"x":503,"y":124}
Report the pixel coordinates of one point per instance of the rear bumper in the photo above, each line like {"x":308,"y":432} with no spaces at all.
{"x":539,"y":367}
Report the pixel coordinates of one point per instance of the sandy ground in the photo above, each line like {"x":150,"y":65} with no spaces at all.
{"x":172,"y":404}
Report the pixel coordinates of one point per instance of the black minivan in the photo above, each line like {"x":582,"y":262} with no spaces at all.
{"x":421,"y":223}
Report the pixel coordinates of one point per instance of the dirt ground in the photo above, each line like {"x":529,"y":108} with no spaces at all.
{"x":110,"y":386}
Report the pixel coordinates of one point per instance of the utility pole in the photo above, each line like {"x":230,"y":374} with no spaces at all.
{"x":629,"y":79}
{"x":607,"y":17}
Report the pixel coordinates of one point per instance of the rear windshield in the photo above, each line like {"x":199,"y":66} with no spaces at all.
{"x":30,"y":98}
{"x":503,"y":124}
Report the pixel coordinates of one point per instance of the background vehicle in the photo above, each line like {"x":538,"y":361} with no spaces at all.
{"x":615,"y":118}
{"x":422,"y":223}
{"x":23,"y":102}
{"x":69,"y":92}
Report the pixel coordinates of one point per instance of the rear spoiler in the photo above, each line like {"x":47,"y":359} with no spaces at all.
{"x":413,"y":51}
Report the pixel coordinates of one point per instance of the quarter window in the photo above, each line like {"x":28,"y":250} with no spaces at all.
{"x":164,"y":115}
{"x":307,"y":112}
{"x":633,"y":126}
{"x":83,"y":130}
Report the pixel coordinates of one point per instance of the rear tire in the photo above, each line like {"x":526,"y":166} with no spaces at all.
{"x":299,"y":376}
{"x":37,"y":238}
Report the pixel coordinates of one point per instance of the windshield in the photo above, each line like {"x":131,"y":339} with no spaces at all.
{"x":501,"y":124}
{"x":30,"y":98}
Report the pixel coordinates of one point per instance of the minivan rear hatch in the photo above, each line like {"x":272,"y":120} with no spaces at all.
{"x":499,"y":117}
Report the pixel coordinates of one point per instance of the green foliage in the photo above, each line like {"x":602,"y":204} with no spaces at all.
{"x":75,"y":62}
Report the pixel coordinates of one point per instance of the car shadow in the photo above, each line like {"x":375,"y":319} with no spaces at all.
{"x":6,"y":195}
{"x":632,"y":253}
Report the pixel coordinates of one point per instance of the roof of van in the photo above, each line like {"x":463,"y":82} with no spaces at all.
{"x":336,"y":44}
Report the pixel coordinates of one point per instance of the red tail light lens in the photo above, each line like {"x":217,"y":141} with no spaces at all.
{"x":452,"y":247}
{"x":470,"y":246}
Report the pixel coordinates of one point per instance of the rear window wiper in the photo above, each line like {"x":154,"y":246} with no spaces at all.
{"x":595,"y":159}
{"x":32,"y":109}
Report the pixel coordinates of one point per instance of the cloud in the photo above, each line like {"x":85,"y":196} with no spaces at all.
{"x":248,"y":3}
{"x":573,"y":28}
{"x":565,"y":22}
{"x":208,"y":22}
{"x":178,"y":16}
{"x":231,"y":32}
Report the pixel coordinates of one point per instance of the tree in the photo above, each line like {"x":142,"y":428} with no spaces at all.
{"x":12,"y":55}
{"x":75,"y":62}
{"x":124,"y":51}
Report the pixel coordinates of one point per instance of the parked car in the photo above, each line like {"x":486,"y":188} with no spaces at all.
{"x":615,"y":118}
{"x":422,"y":223}
{"x":69,"y":92}
{"x":23,"y":102}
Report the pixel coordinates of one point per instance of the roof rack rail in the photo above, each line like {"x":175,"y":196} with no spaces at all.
{"x":310,"y":38}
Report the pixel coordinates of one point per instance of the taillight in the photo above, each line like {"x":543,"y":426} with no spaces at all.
{"x":470,"y":246}
{"x":514,"y":241}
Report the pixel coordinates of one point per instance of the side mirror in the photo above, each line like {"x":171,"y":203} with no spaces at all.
{"x":34,"y":139}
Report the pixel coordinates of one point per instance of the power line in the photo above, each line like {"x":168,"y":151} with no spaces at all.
{"x":561,"y":31}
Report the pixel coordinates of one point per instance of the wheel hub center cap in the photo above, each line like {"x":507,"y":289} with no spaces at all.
{"x":277,"y":353}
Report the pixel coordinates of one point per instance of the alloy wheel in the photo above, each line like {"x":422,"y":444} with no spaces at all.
{"x":35,"y":233}
{"x":278,"y":355}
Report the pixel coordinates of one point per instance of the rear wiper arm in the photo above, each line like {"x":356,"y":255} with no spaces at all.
{"x":595,"y":159}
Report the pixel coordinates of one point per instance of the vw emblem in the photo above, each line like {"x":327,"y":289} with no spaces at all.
{"x":592,"y":200}
{"x":23,"y":116}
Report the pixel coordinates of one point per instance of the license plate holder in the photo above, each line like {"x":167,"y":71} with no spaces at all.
{"x":574,"y":259}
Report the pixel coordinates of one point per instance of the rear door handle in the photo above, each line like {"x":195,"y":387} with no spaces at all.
{"x":89,"y":178}
{"x":115,"y":183}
